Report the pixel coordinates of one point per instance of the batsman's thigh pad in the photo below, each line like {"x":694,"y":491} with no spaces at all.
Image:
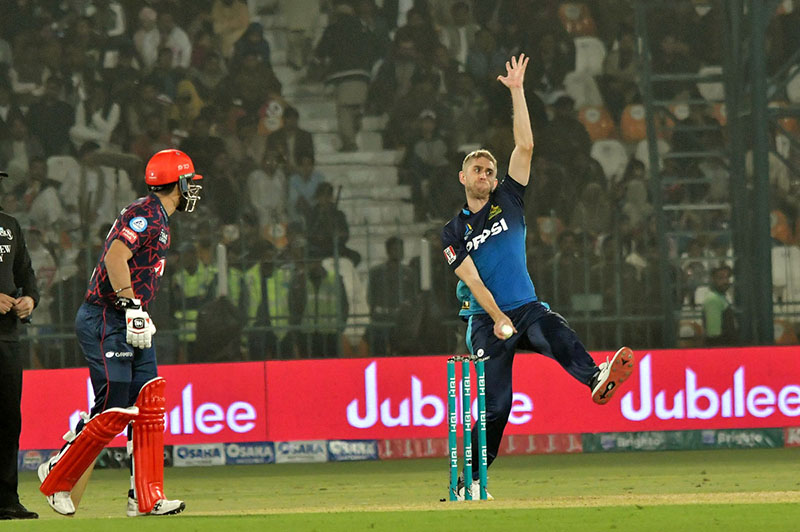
{"x":148,"y":444}
{"x":82,"y":450}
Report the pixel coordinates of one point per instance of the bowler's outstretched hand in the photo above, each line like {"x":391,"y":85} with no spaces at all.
{"x":515,"y":72}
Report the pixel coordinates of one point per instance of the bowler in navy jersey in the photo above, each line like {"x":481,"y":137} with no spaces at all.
{"x":485,"y":245}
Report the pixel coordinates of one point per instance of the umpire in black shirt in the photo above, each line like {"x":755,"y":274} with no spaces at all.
{"x":18,"y":297}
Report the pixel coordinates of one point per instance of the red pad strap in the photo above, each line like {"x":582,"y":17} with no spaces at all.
{"x":82,"y":451}
{"x":148,"y":444}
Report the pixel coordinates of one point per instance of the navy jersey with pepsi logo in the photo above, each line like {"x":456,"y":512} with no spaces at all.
{"x":494,"y":238}
{"x":143,"y":226}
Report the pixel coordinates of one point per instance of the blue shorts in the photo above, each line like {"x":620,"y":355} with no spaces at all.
{"x":540,"y":330}
{"x":118,"y":371}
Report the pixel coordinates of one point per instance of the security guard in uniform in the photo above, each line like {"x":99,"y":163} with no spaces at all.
{"x":18,"y":297}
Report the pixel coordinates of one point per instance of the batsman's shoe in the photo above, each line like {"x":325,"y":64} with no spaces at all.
{"x":161,"y":507}
{"x":611,"y":375}
{"x":59,"y":501}
{"x":475,"y":491}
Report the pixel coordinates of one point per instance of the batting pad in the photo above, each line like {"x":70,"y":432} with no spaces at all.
{"x":148,"y":444}
{"x":82,"y":450}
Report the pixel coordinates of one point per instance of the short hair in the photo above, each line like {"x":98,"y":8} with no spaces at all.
{"x":479,"y":153}
{"x":722,"y":268}
{"x":290,"y":112}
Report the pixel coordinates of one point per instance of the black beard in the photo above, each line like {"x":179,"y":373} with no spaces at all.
{"x":182,"y":204}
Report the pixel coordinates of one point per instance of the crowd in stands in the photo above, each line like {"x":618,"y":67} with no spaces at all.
{"x":90,"y":89}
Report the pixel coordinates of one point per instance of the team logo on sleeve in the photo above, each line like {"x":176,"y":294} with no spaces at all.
{"x":128,"y":235}
{"x":138,"y":224}
{"x":450,"y":254}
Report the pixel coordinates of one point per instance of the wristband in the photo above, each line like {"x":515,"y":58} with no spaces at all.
{"x":126,"y":303}
{"x":118,"y":290}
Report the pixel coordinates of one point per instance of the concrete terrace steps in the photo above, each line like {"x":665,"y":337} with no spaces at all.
{"x":369,"y":239}
{"x":386,"y":192}
{"x":376,"y":206}
{"x":359,"y":175}
{"x":330,"y":125}
{"x":330,"y":142}
{"x":373,"y":158}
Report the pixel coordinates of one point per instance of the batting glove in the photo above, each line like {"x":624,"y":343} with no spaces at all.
{"x":139,"y":326}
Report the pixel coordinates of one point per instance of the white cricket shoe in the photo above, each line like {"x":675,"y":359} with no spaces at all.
{"x":612,"y":373}
{"x":161,"y":507}
{"x":59,"y":501}
{"x":475,"y":491}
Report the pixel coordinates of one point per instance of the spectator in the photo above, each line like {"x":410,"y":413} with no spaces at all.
{"x":252,"y":41}
{"x":348,"y":50}
{"x":635,"y":206}
{"x":291,"y":142}
{"x":620,"y":73}
{"x":325,"y":311}
{"x":719,"y":321}
{"x":202,"y":47}
{"x":154,"y":138}
{"x":251,"y":81}
{"x":42,"y":201}
{"x":97,"y":193}
{"x":593,"y":212}
{"x":420,"y":28}
{"x":6,"y":53}
{"x":564,"y":136}
{"x":247,"y":148}
{"x":401,"y":129}
{"x":224,"y":189}
{"x":28,"y":75}
{"x":165,"y":76}
{"x":302,"y":188}
{"x":301,"y":20}
{"x":459,"y":37}
{"x":391,"y":291}
{"x":394,"y":77}
{"x":95,"y":119}
{"x":192,"y":287}
{"x":266,"y":191}
{"x":485,"y":60}
{"x":327,"y":229}
{"x":568,"y":267}
{"x":469,"y":110}
{"x":208,"y":74}
{"x":551,"y":59}
{"x":186,"y":108}
{"x":147,"y":38}
{"x":108,"y":18}
{"x":51,"y":118}
{"x":146,"y":102}
{"x":428,"y":166}
{"x":230,"y":19}
{"x":694,"y":265}
{"x":8,"y":109}
{"x":376,"y":23}
{"x":174,"y":38}
{"x":201,"y":146}
{"x":16,"y":151}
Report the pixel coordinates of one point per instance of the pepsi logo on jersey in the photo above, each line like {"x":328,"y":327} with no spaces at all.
{"x":497,"y":228}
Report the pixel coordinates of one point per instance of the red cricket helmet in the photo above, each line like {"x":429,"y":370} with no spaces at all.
{"x":174,"y":166}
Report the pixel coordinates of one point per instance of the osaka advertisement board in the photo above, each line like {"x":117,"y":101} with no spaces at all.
{"x":404,"y":398}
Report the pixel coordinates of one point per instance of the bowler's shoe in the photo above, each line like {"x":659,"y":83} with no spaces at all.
{"x":17,"y":511}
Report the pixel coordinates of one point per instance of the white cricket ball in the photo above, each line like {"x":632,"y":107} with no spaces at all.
{"x":507,"y":331}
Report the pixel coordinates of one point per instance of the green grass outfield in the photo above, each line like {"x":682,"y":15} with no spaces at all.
{"x":727,"y":490}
